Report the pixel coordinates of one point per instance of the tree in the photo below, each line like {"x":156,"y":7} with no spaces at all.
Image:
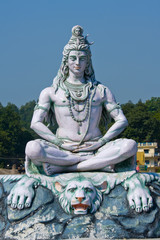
{"x":26,"y":112}
{"x":143,"y":126}
{"x":13,"y":137}
{"x":153,"y":105}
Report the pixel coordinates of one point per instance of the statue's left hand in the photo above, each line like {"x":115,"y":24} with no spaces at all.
{"x":88,"y":147}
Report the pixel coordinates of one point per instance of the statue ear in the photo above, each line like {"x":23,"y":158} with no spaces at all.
{"x":103,"y":186}
{"x":58,"y":187}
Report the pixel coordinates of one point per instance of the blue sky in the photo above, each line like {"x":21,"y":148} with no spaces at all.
{"x":125,"y":54}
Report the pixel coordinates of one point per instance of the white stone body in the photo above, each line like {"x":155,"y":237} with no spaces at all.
{"x":78,"y":102}
{"x":90,"y":154}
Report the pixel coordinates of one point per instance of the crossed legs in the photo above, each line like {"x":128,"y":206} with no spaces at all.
{"x":55,"y":160}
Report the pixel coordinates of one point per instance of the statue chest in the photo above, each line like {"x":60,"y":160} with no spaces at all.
{"x":63,"y":102}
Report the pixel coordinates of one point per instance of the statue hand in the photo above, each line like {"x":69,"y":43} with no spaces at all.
{"x":88,"y":147}
{"x":69,"y":147}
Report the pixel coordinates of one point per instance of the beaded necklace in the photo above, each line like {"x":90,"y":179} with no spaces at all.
{"x":77,"y":109}
{"x":76,"y":94}
{"x":85,"y":107}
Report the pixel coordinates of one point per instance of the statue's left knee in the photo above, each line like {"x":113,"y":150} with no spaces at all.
{"x":130,"y":146}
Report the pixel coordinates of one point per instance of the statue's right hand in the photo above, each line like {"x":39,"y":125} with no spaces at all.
{"x":69,"y":147}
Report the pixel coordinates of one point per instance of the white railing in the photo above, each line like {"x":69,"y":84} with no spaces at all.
{"x":147,"y":144}
{"x":149,"y":155}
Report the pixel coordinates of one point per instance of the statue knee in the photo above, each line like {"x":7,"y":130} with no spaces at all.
{"x":129,"y":147}
{"x":133,"y":146}
{"x":33,"y":150}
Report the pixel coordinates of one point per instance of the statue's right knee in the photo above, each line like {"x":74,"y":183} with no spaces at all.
{"x":33,"y":150}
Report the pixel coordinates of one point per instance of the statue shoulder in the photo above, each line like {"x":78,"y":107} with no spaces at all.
{"x":44,"y":100}
{"x":106,"y":93}
{"x":47,"y":94}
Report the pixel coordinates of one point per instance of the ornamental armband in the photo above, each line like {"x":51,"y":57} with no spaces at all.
{"x":104,"y":141}
{"x":57,"y":142}
{"x":115,"y":106}
{"x":40,"y":107}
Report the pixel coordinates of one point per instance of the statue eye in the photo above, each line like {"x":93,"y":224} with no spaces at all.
{"x":88,"y":190}
{"x":73,"y":58}
{"x":72,"y":189}
{"x":83,"y":58}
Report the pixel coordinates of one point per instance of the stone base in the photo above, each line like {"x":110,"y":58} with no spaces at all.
{"x":45,"y":219}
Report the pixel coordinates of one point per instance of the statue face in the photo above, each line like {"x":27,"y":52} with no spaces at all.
{"x":78,"y":31}
{"x":77,"y":62}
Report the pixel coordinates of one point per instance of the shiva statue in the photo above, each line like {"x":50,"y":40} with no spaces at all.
{"x":73,"y":159}
{"x":75,"y":103}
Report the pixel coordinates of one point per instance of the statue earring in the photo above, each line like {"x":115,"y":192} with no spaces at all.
{"x":66,"y":70}
{"x":87,"y":70}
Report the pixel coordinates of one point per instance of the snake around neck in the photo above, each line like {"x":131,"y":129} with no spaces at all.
{"x":78,"y":92}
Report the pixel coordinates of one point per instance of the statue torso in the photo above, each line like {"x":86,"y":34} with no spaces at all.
{"x":69,"y":128}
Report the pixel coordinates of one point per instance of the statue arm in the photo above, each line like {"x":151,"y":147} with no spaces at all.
{"x":40,"y":112}
{"x":116,"y":113}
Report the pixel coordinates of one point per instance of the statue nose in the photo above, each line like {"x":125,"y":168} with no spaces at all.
{"x":77,"y":61}
{"x":80,"y":199}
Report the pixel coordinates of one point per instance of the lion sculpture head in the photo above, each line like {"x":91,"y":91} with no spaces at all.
{"x":79,"y":196}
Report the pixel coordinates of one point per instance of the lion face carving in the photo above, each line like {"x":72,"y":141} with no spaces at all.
{"x":80,"y":196}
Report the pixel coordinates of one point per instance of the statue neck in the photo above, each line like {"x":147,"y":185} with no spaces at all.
{"x":75,"y":79}
{"x":78,"y":92}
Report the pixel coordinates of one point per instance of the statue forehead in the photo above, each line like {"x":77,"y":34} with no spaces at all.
{"x":77,"y":53}
{"x":83,"y":183}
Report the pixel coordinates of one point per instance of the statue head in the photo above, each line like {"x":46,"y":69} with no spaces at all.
{"x":77,"y":42}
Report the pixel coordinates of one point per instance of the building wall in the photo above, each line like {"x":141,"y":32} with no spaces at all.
{"x":151,"y":158}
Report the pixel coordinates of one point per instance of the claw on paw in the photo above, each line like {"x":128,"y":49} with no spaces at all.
{"x":20,"y":206}
{"x":138,"y":209}
{"x":145,"y":208}
{"x":13,"y":205}
{"x":27,"y":205}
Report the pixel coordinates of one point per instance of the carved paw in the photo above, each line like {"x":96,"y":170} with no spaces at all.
{"x":22,"y":194}
{"x":140,"y":199}
{"x":138,"y":195}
